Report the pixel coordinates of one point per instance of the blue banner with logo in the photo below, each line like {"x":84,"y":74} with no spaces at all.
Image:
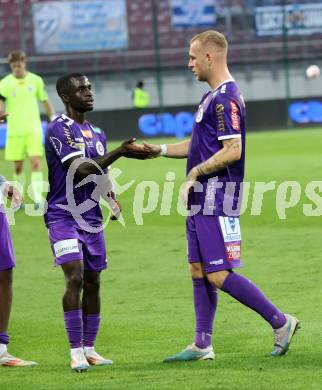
{"x":300,"y":19}
{"x":73,"y":26}
{"x":306,"y":112}
{"x":193,"y":13}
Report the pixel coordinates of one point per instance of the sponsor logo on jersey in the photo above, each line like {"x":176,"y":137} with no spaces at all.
{"x":71,"y":142}
{"x":100,"y":148}
{"x":90,"y":144}
{"x":233,"y":251}
{"x":220,"y":117}
{"x":217,"y":262}
{"x":87,"y":133}
{"x":235,"y":120}
{"x":65,"y":247}
{"x":230,"y":229}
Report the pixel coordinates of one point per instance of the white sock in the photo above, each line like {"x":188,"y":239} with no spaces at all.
{"x":3,"y":349}
{"x":89,"y":349}
{"x":75,"y":351}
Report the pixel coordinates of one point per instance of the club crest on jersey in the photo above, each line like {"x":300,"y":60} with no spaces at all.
{"x":199,"y":114}
{"x":100,"y":148}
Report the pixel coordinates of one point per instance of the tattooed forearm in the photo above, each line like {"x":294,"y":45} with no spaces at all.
{"x":226,"y":156}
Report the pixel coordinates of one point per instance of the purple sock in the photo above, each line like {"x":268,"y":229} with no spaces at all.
{"x":91,"y":324}
{"x":74,"y":327}
{"x":205,"y":302}
{"x":4,"y":338}
{"x":249,"y":295}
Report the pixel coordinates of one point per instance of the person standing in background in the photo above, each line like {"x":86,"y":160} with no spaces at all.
{"x":20,"y":91}
{"x":140,"y":96}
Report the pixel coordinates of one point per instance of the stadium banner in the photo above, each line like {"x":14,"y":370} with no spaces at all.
{"x":306,"y":112}
{"x":301,"y":19}
{"x":74,"y":26}
{"x":178,"y":121}
{"x":192,"y":13}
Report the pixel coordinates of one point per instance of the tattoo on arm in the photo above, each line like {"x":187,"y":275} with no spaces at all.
{"x":221,"y":160}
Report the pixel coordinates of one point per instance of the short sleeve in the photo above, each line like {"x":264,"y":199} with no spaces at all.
{"x":3,"y":89}
{"x":227,"y":117}
{"x":41,"y":92}
{"x":62,"y":140}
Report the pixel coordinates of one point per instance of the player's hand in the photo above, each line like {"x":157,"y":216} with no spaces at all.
{"x":130,"y":149}
{"x":154,"y":150}
{"x":116,"y":211}
{"x":116,"y":207}
{"x":3,"y":115}
{"x":14,"y":194}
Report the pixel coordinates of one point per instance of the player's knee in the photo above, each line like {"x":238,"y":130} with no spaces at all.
{"x":18,"y":167}
{"x":217,"y":278}
{"x":196,"y":270}
{"x":92,"y":286}
{"x":75,"y":282}
{"x":35,"y":164}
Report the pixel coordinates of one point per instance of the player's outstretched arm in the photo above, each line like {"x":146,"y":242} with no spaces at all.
{"x":128,"y":149}
{"x":178,"y":150}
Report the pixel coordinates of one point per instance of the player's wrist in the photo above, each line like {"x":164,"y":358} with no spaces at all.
{"x":120,"y":151}
{"x":163,"y":150}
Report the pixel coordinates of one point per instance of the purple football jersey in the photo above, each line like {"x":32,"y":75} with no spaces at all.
{"x":66,"y":138}
{"x":221,"y":116}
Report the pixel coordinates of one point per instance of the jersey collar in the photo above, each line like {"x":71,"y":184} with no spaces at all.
{"x":224,"y":82}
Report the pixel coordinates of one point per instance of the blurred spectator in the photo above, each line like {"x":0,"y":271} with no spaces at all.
{"x":140,"y":97}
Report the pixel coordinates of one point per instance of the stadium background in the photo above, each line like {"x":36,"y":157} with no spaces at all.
{"x":146,"y":294}
{"x":150,"y":43}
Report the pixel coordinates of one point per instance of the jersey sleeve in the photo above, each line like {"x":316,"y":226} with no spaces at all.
{"x":61,"y":139}
{"x":227,"y":118}
{"x":41,"y":92}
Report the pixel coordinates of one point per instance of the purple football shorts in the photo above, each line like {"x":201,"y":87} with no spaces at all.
{"x":70,"y":243}
{"x":214,"y":241}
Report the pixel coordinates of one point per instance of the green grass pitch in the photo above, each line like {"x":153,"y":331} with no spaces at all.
{"x":147,"y":296}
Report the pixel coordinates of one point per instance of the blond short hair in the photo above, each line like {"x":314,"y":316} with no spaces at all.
{"x":16,"y":56}
{"x":211,"y":37}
